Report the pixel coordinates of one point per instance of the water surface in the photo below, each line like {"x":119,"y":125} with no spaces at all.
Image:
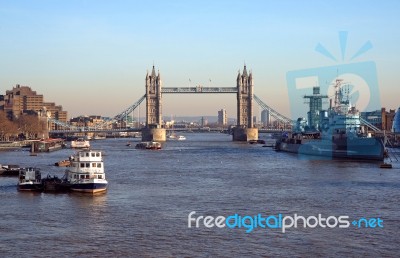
{"x":145,"y":210}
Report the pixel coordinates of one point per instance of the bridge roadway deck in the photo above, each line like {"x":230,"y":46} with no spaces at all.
{"x":199,"y":89}
{"x":204,"y":129}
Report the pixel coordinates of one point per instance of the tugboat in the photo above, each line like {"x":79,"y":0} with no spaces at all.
{"x":9,"y":170}
{"x":63,"y":163}
{"x":30,"y":179}
{"x":148,"y":145}
{"x":339,"y":136}
{"x":86,"y":172}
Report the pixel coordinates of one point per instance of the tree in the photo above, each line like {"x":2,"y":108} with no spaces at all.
{"x":7,"y":127}
{"x":31,"y":126}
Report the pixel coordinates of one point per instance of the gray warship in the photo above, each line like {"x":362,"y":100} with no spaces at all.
{"x":339,"y":134}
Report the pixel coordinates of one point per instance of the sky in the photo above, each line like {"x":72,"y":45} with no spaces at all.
{"x":91,"y":56}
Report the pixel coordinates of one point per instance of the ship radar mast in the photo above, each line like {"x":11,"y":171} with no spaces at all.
{"x":338,"y":93}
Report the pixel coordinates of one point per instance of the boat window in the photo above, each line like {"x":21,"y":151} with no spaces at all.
{"x":87,"y":154}
{"x":82,"y":165}
{"x":74,"y":176}
{"x":97,"y":154}
{"x":82,"y":154}
{"x":87,"y":176}
{"x":82,"y":176}
{"x":88,"y":165}
{"x":99,"y":165}
{"x":93,"y":165}
{"x":93,"y":154}
{"x":99,"y":176}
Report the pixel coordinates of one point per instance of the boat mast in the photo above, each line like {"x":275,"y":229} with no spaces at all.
{"x":338,"y":94}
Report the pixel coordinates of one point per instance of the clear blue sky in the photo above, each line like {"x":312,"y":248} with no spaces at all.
{"x":91,"y":56}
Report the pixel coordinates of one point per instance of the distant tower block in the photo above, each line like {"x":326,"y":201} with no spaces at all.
{"x":153,"y":130}
{"x":244,"y":130}
{"x":265,"y":117}
{"x":222,"y":117}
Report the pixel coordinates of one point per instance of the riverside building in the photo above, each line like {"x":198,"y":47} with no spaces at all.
{"x":23,"y":100}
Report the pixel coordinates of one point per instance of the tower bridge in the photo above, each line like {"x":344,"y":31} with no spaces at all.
{"x":244,"y":130}
{"x":154,"y":129}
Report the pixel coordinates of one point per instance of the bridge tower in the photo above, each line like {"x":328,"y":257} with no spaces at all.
{"x":153,"y":130}
{"x":244,"y":130}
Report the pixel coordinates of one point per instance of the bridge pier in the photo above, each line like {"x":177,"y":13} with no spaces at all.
{"x":241,"y":134}
{"x":154,"y":134}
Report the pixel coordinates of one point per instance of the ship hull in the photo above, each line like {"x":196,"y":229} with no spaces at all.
{"x":353,"y":149}
{"x":89,"y":187}
{"x":30,"y":187}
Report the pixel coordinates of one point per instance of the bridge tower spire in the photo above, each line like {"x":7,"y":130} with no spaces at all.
{"x":245,"y":93}
{"x":245,"y":130}
{"x":153,"y":130}
{"x":153,"y":99}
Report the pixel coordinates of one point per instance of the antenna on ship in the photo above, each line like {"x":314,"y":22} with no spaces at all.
{"x":336,"y":92}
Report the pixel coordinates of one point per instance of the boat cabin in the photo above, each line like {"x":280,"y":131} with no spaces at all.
{"x":87,"y":164}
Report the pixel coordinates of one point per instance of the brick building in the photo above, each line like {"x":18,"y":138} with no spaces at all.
{"x":23,"y":100}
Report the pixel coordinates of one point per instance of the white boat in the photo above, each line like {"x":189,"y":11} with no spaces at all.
{"x":171,"y":136}
{"x":99,"y":137}
{"x":86,"y":172}
{"x":30,"y":179}
{"x":181,"y":138}
{"x":80,"y":143}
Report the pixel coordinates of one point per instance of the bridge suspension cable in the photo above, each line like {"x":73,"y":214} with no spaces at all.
{"x":62,"y":124}
{"x":130,"y":109}
{"x":118,"y":117}
{"x":368,"y":124}
{"x":124,"y":113}
{"x":273,"y":112}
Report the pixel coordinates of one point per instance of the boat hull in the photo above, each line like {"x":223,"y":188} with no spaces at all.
{"x":30,"y":187}
{"x":356,"y":149}
{"x":89,"y":187}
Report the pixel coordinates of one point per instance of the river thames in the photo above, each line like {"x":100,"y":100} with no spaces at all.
{"x":150,"y":194}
